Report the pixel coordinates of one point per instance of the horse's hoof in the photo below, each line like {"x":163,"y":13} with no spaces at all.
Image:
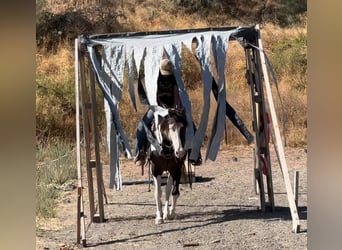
{"x":171,"y":216}
{"x":159,"y":221}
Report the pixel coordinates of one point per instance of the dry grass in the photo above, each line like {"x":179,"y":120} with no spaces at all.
{"x":153,"y":18}
{"x":55,"y":94}
{"x":55,"y":71}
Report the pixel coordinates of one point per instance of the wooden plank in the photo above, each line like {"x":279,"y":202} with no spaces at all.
{"x":99,"y":175}
{"x":81,"y":234}
{"x":278,"y":141}
{"x":86,"y":135}
{"x":264,"y":149}
{"x":103,"y":188}
{"x":295,"y":186}
{"x":256,"y":119}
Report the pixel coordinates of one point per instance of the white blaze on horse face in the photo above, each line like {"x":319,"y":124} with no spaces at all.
{"x":174,"y":134}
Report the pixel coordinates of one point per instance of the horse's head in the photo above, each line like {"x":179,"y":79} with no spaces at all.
{"x":172,"y":128}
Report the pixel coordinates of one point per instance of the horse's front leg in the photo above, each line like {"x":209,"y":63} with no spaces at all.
{"x":166,"y":211}
{"x":175,"y":195}
{"x":157,"y":196}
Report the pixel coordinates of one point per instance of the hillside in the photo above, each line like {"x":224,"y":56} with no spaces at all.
{"x":63,"y":19}
{"x":59,"y":22}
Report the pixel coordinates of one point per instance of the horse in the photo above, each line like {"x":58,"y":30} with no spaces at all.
{"x":171,"y":160}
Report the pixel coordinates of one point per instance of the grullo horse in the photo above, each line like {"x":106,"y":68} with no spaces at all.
{"x":171,"y":159}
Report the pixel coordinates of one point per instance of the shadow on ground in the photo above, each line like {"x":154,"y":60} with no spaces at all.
{"x":211,"y":215}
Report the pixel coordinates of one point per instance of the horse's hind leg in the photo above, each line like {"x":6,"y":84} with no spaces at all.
{"x":166,"y":211}
{"x":157,"y":196}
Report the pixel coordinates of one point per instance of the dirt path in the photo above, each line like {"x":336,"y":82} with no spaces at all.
{"x":220,"y":212}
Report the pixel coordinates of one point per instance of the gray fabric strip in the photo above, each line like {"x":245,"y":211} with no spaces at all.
{"x":121,"y":50}
{"x":111,"y":101}
{"x":174,"y":52}
{"x":220,"y":45}
{"x":203,"y":56}
{"x":130,"y":70}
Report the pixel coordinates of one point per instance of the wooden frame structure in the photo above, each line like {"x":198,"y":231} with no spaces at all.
{"x":86,"y":94}
{"x":262,"y":108}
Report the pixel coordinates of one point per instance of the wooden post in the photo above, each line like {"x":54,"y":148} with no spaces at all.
{"x":259,"y":184}
{"x":86,"y":132}
{"x":255,"y":184}
{"x":295,"y":186}
{"x":264,"y":148}
{"x":278,"y":141}
{"x":81,"y":234}
{"x":98,"y":165}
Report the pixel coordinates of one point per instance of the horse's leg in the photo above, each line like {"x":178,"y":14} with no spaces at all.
{"x":175,"y":195}
{"x":157,"y":196}
{"x":166,"y":212}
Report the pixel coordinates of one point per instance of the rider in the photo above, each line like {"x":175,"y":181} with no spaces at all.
{"x":167,"y":97}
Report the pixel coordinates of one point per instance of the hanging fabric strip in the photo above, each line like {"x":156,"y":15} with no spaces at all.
{"x":233,"y":116}
{"x":157,"y":111}
{"x":138,"y":54}
{"x":202,"y":54}
{"x":174,"y":52}
{"x":113,"y":68}
{"x":220,"y":45}
{"x":121,"y":50}
{"x":114,"y":163}
{"x":152,"y":59}
{"x":130,"y":70}
{"x":111,"y":101}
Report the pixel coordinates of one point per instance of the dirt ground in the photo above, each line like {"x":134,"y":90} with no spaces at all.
{"x":220,"y":212}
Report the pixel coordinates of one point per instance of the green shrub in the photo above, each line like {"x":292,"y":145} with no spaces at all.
{"x":289,"y":59}
{"x":56,"y":171}
{"x":291,"y":12}
{"x":55,"y":102}
{"x":54,"y":29}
